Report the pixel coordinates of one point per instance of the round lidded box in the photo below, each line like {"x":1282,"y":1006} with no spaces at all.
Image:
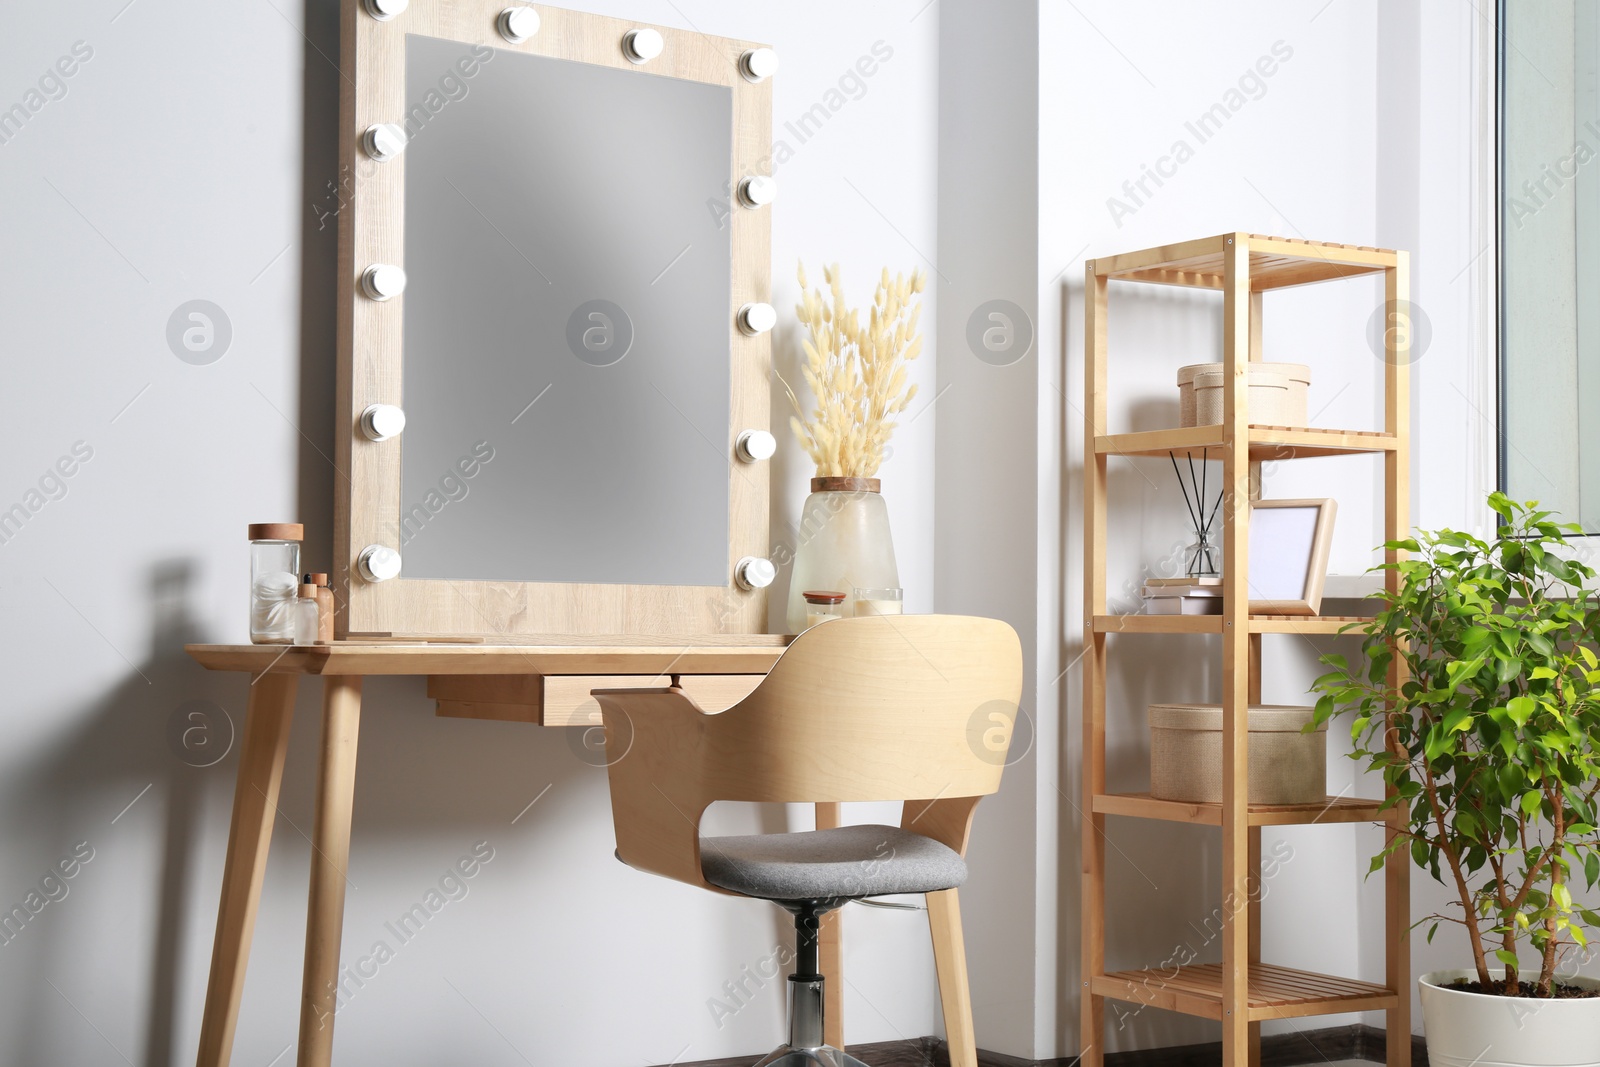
{"x":1286,"y":765}
{"x":1278,"y":394}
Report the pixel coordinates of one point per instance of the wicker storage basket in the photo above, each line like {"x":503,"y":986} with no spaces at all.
{"x":1278,"y":394}
{"x":1286,"y":766}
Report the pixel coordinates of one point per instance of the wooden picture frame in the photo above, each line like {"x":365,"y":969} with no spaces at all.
{"x":1289,"y":545}
{"x":368,"y":495}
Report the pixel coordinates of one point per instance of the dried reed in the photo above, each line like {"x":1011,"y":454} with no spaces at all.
{"x":857,"y":375}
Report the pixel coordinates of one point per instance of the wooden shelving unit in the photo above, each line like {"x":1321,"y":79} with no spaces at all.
{"x":1241,"y":990}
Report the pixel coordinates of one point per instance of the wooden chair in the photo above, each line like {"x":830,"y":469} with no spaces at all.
{"x":916,"y":708}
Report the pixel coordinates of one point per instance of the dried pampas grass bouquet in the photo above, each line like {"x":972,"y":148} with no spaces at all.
{"x":856,"y":373}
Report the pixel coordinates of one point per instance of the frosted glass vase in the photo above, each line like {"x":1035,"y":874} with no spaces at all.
{"x":844,"y":544}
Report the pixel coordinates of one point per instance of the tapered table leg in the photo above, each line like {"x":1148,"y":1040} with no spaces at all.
{"x":255,"y":807}
{"x":330,"y":858}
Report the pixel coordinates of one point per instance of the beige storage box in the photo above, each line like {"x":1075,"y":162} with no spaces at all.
{"x":1286,"y":766}
{"x":1278,"y":394}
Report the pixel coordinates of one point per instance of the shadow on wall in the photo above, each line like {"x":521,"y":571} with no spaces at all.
{"x":167,"y":737}
{"x":324,"y":189}
{"x":121,"y":755}
{"x":159,"y":738}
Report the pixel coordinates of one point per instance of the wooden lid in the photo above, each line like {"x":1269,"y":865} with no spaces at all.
{"x":1210,"y":375}
{"x":846,"y":485}
{"x":308,"y":591}
{"x":316,"y":579}
{"x":823,"y":596}
{"x":277,"y":531}
{"x":1262,"y":718}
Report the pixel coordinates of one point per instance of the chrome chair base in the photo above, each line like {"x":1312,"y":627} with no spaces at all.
{"x":805,"y":1047}
{"x":822,"y":1056}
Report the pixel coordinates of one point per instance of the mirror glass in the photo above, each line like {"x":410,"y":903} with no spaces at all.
{"x":567,"y":321}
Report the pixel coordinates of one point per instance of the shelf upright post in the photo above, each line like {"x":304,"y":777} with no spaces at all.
{"x":1397,"y":526}
{"x":1093,"y":845}
{"x":1236,"y":887}
{"x":1253,"y":696}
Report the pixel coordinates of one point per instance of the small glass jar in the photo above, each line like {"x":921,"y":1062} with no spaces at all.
{"x":274,"y":580}
{"x":823,"y":605}
{"x":885,"y":601}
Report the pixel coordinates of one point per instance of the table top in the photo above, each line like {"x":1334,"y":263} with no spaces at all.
{"x":698,"y":654}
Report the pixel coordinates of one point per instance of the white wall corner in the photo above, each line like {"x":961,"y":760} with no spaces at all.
{"x":987,"y":502}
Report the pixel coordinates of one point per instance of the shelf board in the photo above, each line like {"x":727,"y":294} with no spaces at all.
{"x":1332,"y":810}
{"x":1275,"y":262}
{"x":1303,"y":624}
{"x":1274,"y":992}
{"x":1266,"y":442}
{"x":1212,"y":624}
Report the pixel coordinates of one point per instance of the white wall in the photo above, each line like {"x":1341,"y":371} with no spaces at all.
{"x":190,"y":158}
{"x":989,"y":510}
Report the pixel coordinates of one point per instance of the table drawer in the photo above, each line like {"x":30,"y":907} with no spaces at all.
{"x":567,"y":701}
{"x":564,"y":700}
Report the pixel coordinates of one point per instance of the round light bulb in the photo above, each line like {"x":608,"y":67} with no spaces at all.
{"x":517,"y":24}
{"x":384,"y":10}
{"x":758,"y":190}
{"x":383,"y":281}
{"x":378,"y":563}
{"x":757,"y":318}
{"x":641,"y":46}
{"x":383,"y":141}
{"x":758,"y":64}
{"x":753,"y":572}
{"x":753,"y":446}
{"x":382,"y":421}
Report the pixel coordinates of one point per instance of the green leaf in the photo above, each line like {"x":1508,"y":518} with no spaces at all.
{"x":1591,"y":869}
{"x":1531,"y":801}
{"x":1507,"y":958}
{"x":1562,"y":896}
{"x":1521,"y":709}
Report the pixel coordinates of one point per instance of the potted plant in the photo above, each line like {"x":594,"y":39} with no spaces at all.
{"x":1490,"y":744}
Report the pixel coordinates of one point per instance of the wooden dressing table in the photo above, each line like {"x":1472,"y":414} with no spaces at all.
{"x":601,"y":511}
{"x":545,"y":684}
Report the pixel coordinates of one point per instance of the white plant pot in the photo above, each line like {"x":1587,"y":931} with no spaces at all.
{"x":1479,"y":1030}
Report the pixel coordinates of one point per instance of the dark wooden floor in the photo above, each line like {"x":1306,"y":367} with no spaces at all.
{"x":1354,"y":1042}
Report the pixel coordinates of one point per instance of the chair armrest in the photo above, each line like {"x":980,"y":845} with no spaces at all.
{"x":655,"y":753}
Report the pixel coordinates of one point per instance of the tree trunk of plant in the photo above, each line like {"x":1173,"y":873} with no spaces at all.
{"x":1447,"y":846}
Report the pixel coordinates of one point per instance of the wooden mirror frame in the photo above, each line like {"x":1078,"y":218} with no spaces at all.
{"x":368,"y":500}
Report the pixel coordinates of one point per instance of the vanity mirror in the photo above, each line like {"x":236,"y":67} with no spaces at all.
{"x":553,"y":333}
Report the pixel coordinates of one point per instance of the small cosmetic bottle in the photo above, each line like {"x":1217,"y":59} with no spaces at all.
{"x":324,"y":607}
{"x":305,"y":616}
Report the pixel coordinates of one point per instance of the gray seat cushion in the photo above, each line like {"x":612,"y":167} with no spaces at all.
{"x":851,"y":861}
